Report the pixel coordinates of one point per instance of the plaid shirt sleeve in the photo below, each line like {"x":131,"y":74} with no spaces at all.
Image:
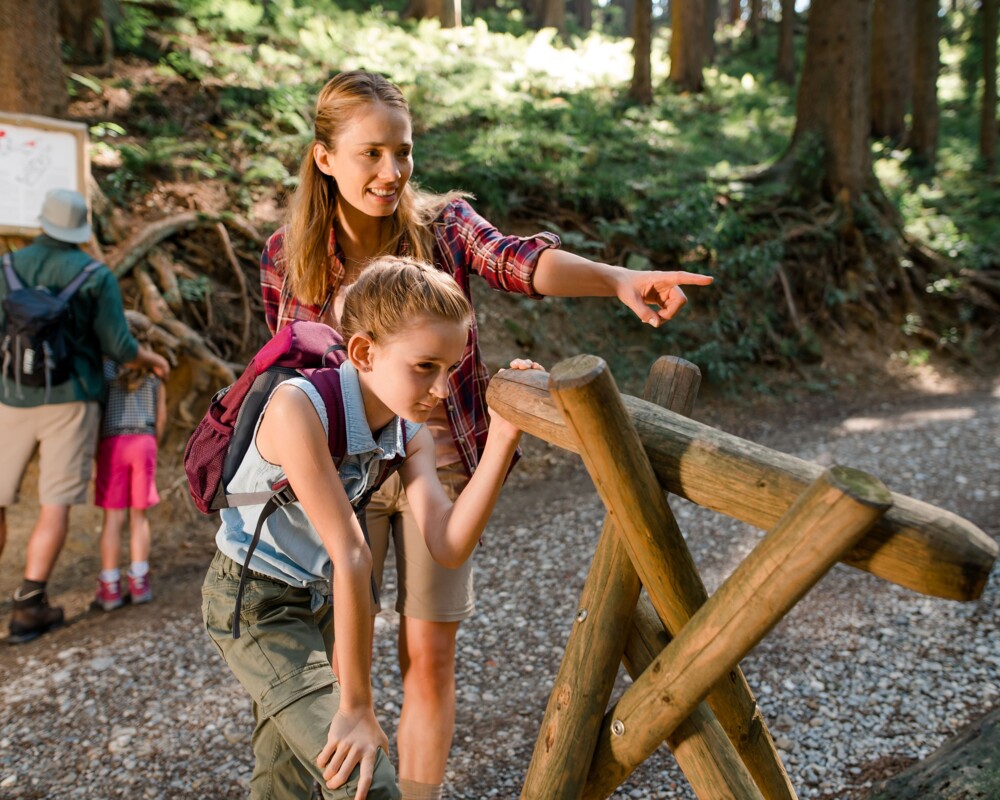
{"x":280,"y":306}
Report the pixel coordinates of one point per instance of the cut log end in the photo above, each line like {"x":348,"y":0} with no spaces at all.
{"x":576,"y":371}
{"x":860,"y":486}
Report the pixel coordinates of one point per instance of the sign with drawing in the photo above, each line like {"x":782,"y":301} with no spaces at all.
{"x":37,"y":154}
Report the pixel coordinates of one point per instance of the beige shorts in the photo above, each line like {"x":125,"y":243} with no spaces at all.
{"x":425,"y":589}
{"x":66,"y":437}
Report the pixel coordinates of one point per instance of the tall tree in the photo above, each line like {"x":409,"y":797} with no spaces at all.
{"x":735,"y":11}
{"x":584,"y":10}
{"x":687,"y":45}
{"x":785,"y":70}
{"x":552,"y":14}
{"x":448,"y":12}
{"x":641,"y":89}
{"x":85,"y":27}
{"x":924,"y":125}
{"x":988,"y":117}
{"x":711,"y":18}
{"x":832,"y":104}
{"x":892,"y":67}
{"x":33,"y":81}
{"x":754,"y":24}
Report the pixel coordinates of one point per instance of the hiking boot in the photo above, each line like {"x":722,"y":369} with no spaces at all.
{"x":139,"y":589}
{"x":30,"y":622}
{"x":109,"y":595}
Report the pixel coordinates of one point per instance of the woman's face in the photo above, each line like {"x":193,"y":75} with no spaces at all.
{"x":371,"y":161}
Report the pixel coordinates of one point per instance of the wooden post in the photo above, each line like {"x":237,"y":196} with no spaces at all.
{"x":585,"y":392}
{"x":840,"y":506}
{"x":570,"y":728}
{"x":915,"y":544}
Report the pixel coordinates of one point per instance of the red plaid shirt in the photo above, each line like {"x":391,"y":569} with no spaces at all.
{"x":464,"y":242}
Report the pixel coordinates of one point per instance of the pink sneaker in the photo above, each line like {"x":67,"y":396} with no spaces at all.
{"x":139,"y":589}
{"x":109,"y":595}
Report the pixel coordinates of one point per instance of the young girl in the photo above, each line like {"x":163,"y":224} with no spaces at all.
{"x":355,"y":202}
{"x":135,"y":417}
{"x":405,"y":325}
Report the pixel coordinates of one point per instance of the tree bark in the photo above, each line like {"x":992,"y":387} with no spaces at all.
{"x":924,"y":128}
{"x":711,"y":17}
{"x":988,"y":115}
{"x":553,"y":15}
{"x":451,"y":13}
{"x":754,"y":23}
{"x":785,"y":71}
{"x":892,"y":67}
{"x":34,"y":82}
{"x":735,"y":11}
{"x":85,"y":27}
{"x":832,"y":109}
{"x":687,"y":45}
{"x":641,"y":90}
{"x":584,"y":13}
{"x":423,"y":9}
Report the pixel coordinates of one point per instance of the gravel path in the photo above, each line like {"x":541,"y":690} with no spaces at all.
{"x":861,"y":677}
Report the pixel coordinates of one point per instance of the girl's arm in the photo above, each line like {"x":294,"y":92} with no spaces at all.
{"x":452,"y":530}
{"x":161,"y":411}
{"x":291,"y":435}
{"x":562,"y":274}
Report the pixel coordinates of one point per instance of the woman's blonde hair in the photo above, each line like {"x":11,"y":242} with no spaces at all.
{"x":312,"y":208}
{"x":393,"y":292}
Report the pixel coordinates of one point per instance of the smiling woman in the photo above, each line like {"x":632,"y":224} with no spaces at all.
{"x":354,"y":203}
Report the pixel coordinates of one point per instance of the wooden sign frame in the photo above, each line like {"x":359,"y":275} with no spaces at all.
{"x":38,"y":154}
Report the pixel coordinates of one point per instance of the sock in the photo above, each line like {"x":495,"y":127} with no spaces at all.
{"x":420,"y":791}
{"x":111,"y":575}
{"x":138,"y":569}
{"x":29,"y":594}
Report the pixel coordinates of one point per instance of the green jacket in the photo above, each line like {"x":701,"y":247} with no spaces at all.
{"x":97,"y":325}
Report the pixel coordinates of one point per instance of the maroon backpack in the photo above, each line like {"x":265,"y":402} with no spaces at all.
{"x":218,"y":445}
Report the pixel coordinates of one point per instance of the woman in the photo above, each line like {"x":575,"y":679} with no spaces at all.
{"x":354,"y":202}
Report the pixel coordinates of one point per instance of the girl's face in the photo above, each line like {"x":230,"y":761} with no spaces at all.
{"x":406,"y":375}
{"x":371,"y":161}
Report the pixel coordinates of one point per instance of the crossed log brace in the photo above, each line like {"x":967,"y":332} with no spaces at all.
{"x":682,"y":647}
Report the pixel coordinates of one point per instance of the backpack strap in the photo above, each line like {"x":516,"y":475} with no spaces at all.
{"x":13,"y":281}
{"x":70,"y":288}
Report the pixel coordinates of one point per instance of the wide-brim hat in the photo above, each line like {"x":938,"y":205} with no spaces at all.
{"x":64,"y":216}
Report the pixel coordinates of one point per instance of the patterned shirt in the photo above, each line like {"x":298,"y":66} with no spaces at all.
{"x":464,"y":243}
{"x":128,"y":412}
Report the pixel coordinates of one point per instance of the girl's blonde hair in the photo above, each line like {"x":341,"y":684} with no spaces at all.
{"x":393,"y":292}
{"x":312,"y":208}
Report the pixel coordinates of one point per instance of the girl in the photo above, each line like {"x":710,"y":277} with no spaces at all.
{"x":355,"y":202}
{"x":405,"y":325}
{"x":135,"y":417}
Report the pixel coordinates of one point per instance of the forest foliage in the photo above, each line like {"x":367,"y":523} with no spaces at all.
{"x":539,"y":128}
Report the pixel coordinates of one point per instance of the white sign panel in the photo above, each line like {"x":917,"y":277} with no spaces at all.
{"x":37,"y":154}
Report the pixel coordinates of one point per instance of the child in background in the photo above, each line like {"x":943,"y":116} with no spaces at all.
{"x":135,"y":416}
{"x":405,"y":325}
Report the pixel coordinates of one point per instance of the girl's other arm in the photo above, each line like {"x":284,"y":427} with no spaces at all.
{"x":452,"y":530}
{"x":161,"y":411}
{"x":562,"y":274}
{"x":291,"y":435}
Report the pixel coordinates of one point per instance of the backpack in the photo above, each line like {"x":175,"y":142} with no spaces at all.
{"x":218,"y":445}
{"x":37,"y":348}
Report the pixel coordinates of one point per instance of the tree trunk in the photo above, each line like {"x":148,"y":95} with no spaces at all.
{"x":754,"y":24}
{"x":711,"y":17}
{"x":924,"y":130}
{"x":553,"y":15}
{"x":988,"y":119}
{"x":451,"y":13}
{"x":892,"y":67}
{"x":584,"y":13}
{"x":34,"y":82}
{"x":423,"y":9}
{"x":832,"y":106}
{"x":642,"y":80}
{"x":479,"y":6}
{"x":785,"y":71}
{"x":86,"y":29}
{"x":687,"y":45}
{"x":735,"y":11}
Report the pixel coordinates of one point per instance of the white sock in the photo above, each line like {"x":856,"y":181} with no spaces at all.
{"x":111,"y":575}
{"x":412,"y":790}
{"x":138,"y":569}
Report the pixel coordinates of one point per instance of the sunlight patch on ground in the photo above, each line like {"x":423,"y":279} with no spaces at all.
{"x":911,"y":419}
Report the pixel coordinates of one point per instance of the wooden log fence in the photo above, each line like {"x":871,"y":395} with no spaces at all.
{"x":680,"y":645}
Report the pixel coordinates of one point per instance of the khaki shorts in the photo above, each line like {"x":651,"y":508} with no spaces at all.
{"x":66,"y":437}
{"x":425,"y":589}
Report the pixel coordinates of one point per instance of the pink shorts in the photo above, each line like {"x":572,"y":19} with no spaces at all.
{"x":126,"y":472}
